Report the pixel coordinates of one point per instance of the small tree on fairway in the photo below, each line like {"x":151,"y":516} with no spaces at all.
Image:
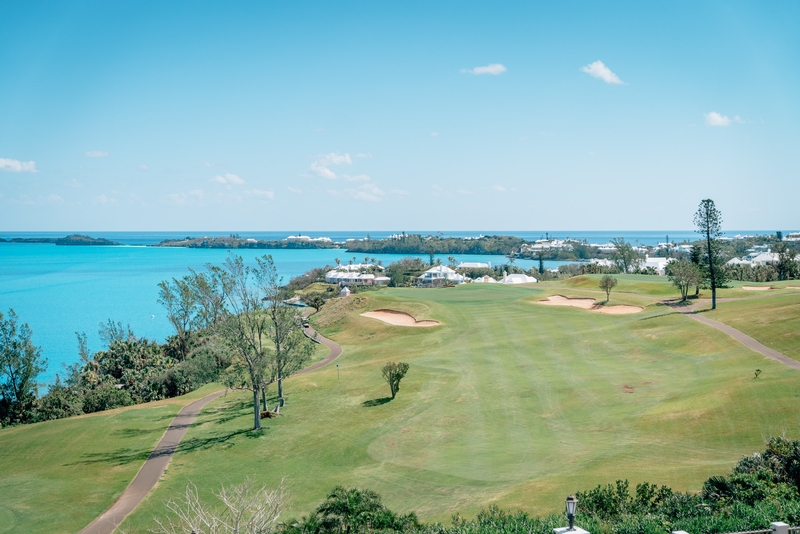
{"x":393,"y":373}
{"x":607,"y":283}
{"x":20,"y":362}
{"x":708,"y":220}
{"x":684,"y":275}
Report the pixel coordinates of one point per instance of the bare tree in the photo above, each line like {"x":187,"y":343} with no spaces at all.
{"x":244,"y":510}
{"x":607,"y":283}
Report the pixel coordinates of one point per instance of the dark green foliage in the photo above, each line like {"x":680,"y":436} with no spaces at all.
{"x":419,"y":244}
{"x":708,"y":220}
{"x":404,"y":272}
{"x":20,"y":363}
{"x":352,"y":510}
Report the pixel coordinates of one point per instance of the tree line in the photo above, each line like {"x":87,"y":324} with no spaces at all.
{"x":231,"y":326}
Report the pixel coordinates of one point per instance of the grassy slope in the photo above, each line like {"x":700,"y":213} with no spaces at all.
{"x":58,"y":476}
{"x":507,"y":402}
{"x":774,"y":321}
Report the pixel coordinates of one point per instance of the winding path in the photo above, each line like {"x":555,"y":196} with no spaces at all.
{"x":746,"y":340}
{"x":155,"y":465}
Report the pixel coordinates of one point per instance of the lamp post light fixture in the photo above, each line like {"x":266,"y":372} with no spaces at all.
{"x":572,"y":506}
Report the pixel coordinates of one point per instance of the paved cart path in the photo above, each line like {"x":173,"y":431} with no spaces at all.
{"x":154,"y":467}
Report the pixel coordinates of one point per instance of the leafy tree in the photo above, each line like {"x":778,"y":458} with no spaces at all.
{"x":182,"y":304}
{"x":452,"y":262}
{"x":512,"y":256}
{"x":708,"y":220}
{"x":684,"y":275}
{"x":627,"y":258}
{"x":786,"y":266}
{"x":20,"y":363}
{"x":695,"y":257}
{"x":111,"y":331}
{"x":607,"y":283}
{"x":291,"y":347}
{"x":315,"y":300}
{"x":393,"y":373}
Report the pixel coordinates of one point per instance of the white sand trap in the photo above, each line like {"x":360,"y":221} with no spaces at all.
{"x":589,"y":304}
{"x":397,"y":318}
{"x":756,"y":288}
{"x":559,"y":300}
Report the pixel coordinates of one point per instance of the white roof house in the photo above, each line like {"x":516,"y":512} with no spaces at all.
{"x":473,"y":265}
{"x":484,"y":280}
{"x":345,"y":292}
{"x":440,"y":273}
{"x":345,"y":277}
{"x":659,"y":264}
{"x":517,"y":279}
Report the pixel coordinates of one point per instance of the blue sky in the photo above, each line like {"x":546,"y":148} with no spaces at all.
{"x":398,"y":116}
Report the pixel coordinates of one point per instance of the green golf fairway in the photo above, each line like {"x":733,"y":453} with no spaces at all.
{"x":507,"y":402}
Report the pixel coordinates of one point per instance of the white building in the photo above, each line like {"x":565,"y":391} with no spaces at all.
{"x":792,"y":236}
{"x":342,"y":277}
{"x":517,"y":279}
{"x":437,"y":275}
{"x":659,"y":264}
{"x":484,"y":280}
{"x":474,"y":265}
{"x":345,"y":292}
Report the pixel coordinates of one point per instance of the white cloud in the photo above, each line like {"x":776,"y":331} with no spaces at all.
{"x":499,"y":188}
{"x":434,"y":134}
{"x":14,"y":165}
{"x":716,"y":119}
{"x":144,"y":167}
{"x":494,"y":69}
{"x":195,"y":196}
{"x":295,"y":191}
{"x":356,"y":178}
{"x":323,"y":161}
{"x":399,"y":192}
{"x":366,"y":192}
{"x":96,"y":154}
{"x":438,"y":191}
{"x":599,"y":70}
{"x":262,"y":194}
{"x":55,"y":198}
{"x":227,"y":179}
{"x":104,"y":200}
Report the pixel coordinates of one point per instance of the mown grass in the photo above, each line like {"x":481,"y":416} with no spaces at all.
{"x":60,"y":475}
{"x":774,"y":321}
{"x":507,"y":402}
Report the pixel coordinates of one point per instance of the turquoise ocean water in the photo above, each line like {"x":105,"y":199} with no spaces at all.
{"x":60,"y":290}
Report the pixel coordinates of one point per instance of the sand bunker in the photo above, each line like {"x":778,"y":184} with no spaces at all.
{"x":756,"y":288}
{"x":397,"y":318}
{"x":589,"y":304}
{"x":792,"y":287}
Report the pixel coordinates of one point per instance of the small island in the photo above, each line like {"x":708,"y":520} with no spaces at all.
{"x":70,"y":240}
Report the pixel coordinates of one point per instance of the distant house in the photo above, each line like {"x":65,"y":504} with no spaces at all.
{"x":349,"y":274}
{"x":437,"y":276}
{"x":484,"y":280}
{"x":658,"y":264}
{"x":345,"y":292}
{"x":474,"y":265}
{"x":517,"y":278}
